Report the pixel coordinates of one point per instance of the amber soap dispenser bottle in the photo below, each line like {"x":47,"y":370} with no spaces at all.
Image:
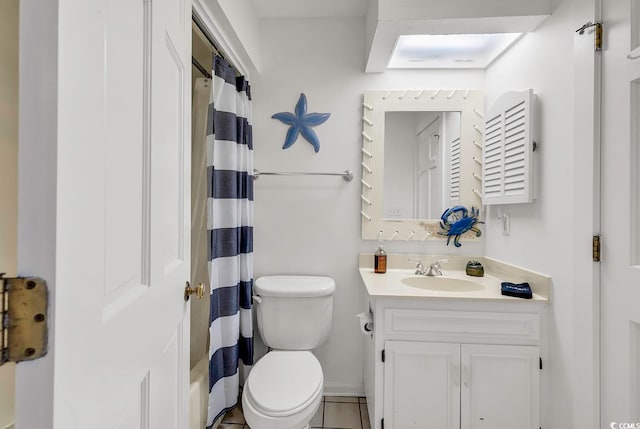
{"x":380,"y":260}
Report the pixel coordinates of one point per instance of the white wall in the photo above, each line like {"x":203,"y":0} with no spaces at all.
{"x":8,"y":167}
{"x":541,"y":233}
{"x":312,"y":225}
{"x":244,"y":22}
{"x":437,"y":9}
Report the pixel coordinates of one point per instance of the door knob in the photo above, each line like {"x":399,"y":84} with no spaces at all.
{"x":198,"y":291}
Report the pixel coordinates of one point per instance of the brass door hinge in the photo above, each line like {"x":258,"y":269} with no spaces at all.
{"x":596,"y":248}
{"x":23,"y":318}
{"x":598,"y":39}
{"x":597,"y":33}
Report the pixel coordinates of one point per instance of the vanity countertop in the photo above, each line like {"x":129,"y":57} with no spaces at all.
{"x":391,"y":284}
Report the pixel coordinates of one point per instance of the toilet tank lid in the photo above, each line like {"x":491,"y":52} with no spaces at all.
{"x":294,"y":286}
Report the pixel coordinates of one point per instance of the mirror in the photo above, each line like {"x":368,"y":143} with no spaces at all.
{"x":422,"y":153}
{"x":422,"y":164}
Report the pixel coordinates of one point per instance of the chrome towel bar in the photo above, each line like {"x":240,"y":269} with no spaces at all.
{"x":347,"y":175}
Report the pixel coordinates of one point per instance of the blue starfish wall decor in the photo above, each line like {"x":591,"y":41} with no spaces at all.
{"x":301,"y":123}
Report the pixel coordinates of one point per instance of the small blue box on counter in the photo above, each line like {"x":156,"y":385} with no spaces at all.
{"x":521,"y":290}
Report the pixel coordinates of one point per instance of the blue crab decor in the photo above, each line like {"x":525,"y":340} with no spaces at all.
{"x":457,"y":220}
{"x":301,"y":123}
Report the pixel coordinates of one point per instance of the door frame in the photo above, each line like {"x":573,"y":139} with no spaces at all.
{"x":212,"y":15}
{"x":586,"y":208}
{"x":37,"y":197}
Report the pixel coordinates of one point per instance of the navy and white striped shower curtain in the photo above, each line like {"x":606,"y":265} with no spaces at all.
{"x":230,"y":230}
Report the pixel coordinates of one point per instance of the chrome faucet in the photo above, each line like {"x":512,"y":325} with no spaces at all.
{"x":420,"y":270}
{"x":434,"y":269}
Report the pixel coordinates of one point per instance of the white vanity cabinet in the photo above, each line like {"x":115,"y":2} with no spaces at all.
{"x":421,"y":385}
{"x":500,"y":386}
{"x":448,"y":365}
{"x":452,"y":386}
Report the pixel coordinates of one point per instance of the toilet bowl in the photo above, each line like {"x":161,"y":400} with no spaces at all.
{"x":284,"y":391}
{"x":284,"y":388}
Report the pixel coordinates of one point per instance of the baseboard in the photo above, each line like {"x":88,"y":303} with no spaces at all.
{"x":332,"y":388}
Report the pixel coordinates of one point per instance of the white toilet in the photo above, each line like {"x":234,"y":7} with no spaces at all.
{"x":284,"y":388}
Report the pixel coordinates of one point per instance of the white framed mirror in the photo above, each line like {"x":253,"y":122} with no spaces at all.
{"x":421,"y":154}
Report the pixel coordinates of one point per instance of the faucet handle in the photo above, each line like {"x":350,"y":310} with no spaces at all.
{"x":420,"y":270}
{"x":436,"y":267}
{"x":418,"y":262}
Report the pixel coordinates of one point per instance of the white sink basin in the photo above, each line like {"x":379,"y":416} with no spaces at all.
{"x":442,"y":283}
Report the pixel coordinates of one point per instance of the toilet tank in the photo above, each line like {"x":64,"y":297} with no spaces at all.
{"x":294,"y":312}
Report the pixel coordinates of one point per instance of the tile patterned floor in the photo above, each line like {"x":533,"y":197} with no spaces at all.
{"x":336,"y":412}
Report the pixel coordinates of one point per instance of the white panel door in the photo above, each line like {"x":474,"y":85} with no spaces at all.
{"x":421,"y":385}
{"x":500,"y":387}
{"x":120,"y":326}
{"x":429,"y":172}
{"x":620,"y":283}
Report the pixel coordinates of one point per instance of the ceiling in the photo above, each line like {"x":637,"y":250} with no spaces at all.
{"x":309,"y":8}
{"x":396,"y":18}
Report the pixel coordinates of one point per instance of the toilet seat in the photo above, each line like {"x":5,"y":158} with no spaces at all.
{"x":284,"y":383}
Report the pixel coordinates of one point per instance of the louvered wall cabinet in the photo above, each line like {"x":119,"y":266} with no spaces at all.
{"x":508,"y":149}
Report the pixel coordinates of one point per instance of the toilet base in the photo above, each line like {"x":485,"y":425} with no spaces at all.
{"x":301,"y":420}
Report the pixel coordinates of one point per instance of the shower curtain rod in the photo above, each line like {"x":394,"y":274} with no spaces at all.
{"x":203,"y":29}
{"x":200,"y":68}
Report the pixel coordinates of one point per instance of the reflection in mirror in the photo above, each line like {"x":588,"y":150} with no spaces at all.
{"x":421,"y":154}
{"x":422,"y":164}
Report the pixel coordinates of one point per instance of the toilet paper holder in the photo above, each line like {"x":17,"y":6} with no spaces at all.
{"x":366,"y":322}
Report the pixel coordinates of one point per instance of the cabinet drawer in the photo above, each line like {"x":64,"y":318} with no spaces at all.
{"x":452,"y":325}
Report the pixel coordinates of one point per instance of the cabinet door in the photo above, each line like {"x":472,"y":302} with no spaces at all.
{"x":500,"y":387}
{"x":421,"y":385}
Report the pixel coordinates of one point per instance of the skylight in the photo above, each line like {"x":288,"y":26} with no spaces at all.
{"x":449,"y":50}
